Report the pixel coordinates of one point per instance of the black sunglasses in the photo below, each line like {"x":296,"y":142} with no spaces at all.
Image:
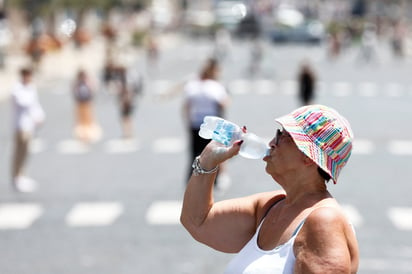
{"x":279,"y":133}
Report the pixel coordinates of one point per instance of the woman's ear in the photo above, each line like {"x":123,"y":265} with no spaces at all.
{"x":308,"y":161}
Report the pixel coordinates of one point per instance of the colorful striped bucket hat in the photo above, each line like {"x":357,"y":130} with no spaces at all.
{"x":322,"y":134}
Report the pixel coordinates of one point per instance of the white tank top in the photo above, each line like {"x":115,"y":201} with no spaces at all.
{"x":254,"y":260}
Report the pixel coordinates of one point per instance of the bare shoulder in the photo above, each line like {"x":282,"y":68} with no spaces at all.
{"x":265,"y":197}
{"x":327,"y":223}
{"x":326,"y":217}
{"x":265,"y":200}
{"x":326,"y":242}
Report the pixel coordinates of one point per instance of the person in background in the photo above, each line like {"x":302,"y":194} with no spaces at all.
{"x":256,"y":57}
{"x":202,"y":97}
{"x":222,"y":44}
{"x":28,"y":115}
{"x":369,"y":44}
{"x":398,"y":38}
{"x":306,"y":81}
{"x":152,"y":49}
{"x":86,"y":128}
{"x":129,"y":87}
{"x":299,"y":229}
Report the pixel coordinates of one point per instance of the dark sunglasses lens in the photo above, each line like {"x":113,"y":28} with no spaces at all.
{"x":278,"y":134}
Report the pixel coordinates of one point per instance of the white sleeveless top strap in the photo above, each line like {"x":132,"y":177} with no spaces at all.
{"x":254,"y":260}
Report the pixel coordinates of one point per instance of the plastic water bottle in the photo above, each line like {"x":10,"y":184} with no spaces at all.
{"x":227,"y":133}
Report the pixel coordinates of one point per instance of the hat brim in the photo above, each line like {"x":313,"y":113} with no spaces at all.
{"x":305,"y":144}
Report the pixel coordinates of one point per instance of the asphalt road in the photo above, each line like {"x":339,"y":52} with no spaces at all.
{"x":113,"y":206}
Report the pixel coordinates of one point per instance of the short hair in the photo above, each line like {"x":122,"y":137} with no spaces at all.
{"x":324,"y":174}
{"x":26,"y":71}
{"x":208,"y":71}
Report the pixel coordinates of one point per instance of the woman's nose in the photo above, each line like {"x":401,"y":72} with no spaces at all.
{"x":272,"y":143}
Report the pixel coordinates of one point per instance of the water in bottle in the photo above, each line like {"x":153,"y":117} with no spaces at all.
{"x":227,"y":133}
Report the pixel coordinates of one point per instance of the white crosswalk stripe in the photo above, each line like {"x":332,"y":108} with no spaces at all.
{"x":168,"y":213}
{"x":400,"y":147}
{"x":37,"y":145}
{"x":289,"y":87}
{"x":264,"y":87}
{"x":72,"y":146}
{"x":94,"y":214}
{"x":121,"y":146}
{"x":168,"y":145}
{"x":341,"y":89}
{"x":394,"y":90}
{"x":239,"y":86}
{"x":19,"y":216}
{"x":401,"y":217}
{"x":337,"y":88}
{"x":164,"y":213}
{"x":362,"y":146}
{"x":368,"y":89}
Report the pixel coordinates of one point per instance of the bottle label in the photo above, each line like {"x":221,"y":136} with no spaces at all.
{"x":223,"y":132}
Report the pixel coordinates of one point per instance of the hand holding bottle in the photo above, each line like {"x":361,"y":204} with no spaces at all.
{"x":227,"y":133}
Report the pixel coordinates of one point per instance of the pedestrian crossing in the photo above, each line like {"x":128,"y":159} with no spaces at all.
{"x":400,"y":147}
{"x":71,"y":147}
{"x":173,"y":145}
{"x":366,"y":89}
{"x":23,"y":216}
{"x":120,"y":146}
{"x":401,"y":217}
{"x":337,"y":88}
{"x":93,"y":214}
{"x":168,"y":213}
{"x":19,"y":216}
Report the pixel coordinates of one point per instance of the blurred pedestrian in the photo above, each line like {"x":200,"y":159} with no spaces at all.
{"x":222,"y":44}
{"x":398,"y":39}
{"x":28,"y":116}
{"x":36,"y":52}
{"x":151,"y":46}
{"x":86,"y":128}
{"x":256,"y":56}
{"x":334,"y":41}
{"x":334,"y":45}
{"x":129,"y":87}
{"x":202,"y":97}
{"x":368,"y":50}
{"x":306,"y":80}
{"x":5,"y":39}
{"x":110,"y":76}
